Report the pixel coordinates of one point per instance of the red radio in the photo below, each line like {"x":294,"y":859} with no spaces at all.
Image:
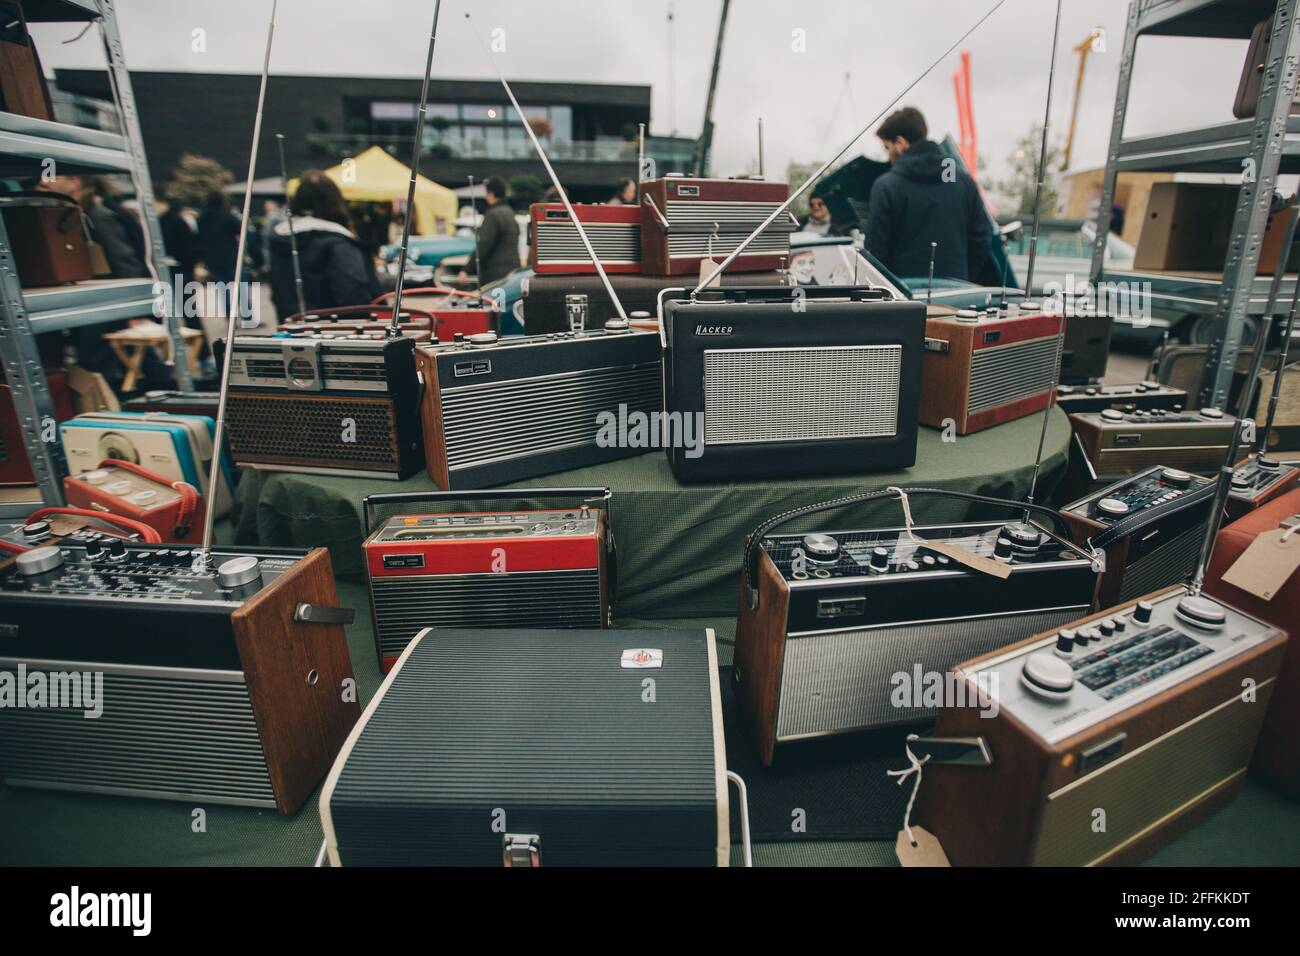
{"x":686,"y":220}
{"x":455,"y":311}
{"x":528,"y":567}
{"x":47,"y":526}
{"x":173,"y":508}
{"x":555,"y":246}
{"x":367,"y":320}
{"x":15,"y":467}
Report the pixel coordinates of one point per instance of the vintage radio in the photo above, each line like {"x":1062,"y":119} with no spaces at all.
{"x":1085,"y":351}
{"x":346,"y":405}
{"x":1277,"y":757}
{"x":685,"y":220}
{"x":555,"y":246}
{"x":1136,"y":713}
{"x":984,"y":368}
{"x":1150,"y":527}
{"x":177,"y":447}
{"x":47,"y":526}
{"x":566,"y":303}
{"x":769,"y":382}
{"x":1258,"y":480}
{"x":174,"y":509}
{"x":15,"y":466}
{"x":455,"y":731}
{"x":830,"y":620}
{"x":499,"y":409}
{"x":22,"y":81}
{"x":47,"y":232}
{"x":1141,"y":395}
{"x":455,"y":311}
{"x":366,"y":320}
{"x":1124,"y":443}
{"x":533,"y":567}
{"x":175,"y":403}
{"x":220,"y":683}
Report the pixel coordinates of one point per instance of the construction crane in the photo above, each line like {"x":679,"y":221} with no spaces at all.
{"x":706,"y":133}
{"x":1083,"y":49}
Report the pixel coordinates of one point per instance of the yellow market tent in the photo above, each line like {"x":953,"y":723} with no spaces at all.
{"x":374,"y":176}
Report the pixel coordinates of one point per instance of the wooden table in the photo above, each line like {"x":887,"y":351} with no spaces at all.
{"x":131,"y":348}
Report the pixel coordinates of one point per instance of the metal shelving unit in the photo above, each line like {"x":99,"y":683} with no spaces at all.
{"x":1267,"y":144}
{"x":26,"y":147}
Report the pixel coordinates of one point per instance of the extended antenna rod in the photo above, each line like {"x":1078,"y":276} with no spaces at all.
{"x":293,"y":236}
{"x":780,"y":210}
{"x":929,"y":289}
{"x":555,"y":181}
{"x":760,"y":147}
{"x":218,"y":437}
{"x":395,"y":325}
{"x":1220,"y":499}
{"x":1029,"y":270}
{"x":640,"y":159}
{"x":1262,"y":444}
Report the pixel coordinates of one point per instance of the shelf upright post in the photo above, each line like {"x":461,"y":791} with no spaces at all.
{"x":1259,"y":177}
{"x":121,"y":81}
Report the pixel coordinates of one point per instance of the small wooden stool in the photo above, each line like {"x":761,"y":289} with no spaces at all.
{"x":131,"y":347}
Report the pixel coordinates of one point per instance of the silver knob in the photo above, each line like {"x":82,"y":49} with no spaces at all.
{"x":1112,"y":506}
{"x":239,"y":571}
{"x":1213,"y":413}
{"x":616,"y":325}
{"x":480,"y":340}
{"x":39,"y":560}
{"x":1046,"y":675}
{"x":821,"y":547}
{"x":1113,"y":415}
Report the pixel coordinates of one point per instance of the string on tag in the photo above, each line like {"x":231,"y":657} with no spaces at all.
{"x":1286,"y":535}
{"x":902,"y":775}
{"x":907,"y":510}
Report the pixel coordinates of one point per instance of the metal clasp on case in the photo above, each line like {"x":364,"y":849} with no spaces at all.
{"x":937,"y":345}
{"x":521,"y":850}
{"x":323,"y":614}
{"x":575,"y":307}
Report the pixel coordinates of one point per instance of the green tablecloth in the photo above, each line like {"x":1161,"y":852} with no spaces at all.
{"x":678,"y":545}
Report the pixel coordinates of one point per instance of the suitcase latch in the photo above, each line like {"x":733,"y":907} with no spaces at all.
{"x":936,"y":345}
{"x":521,"y":849}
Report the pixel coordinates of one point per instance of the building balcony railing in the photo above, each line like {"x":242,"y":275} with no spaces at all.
{"x":669,"y":154}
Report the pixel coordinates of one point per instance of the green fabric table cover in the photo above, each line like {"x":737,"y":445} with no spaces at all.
{"x":679,"y":546}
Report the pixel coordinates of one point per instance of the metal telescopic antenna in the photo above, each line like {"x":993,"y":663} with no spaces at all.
{"x":640,"y":158}
{"x":1042,"y":158}
{"x":473,"y":207}
{"x":395,"y":325}
{"x":780,"y":210}
{"x":929,"y":289}
{"x":1160,"y":356}
{"x":760,"y":147}
{"x":555,"y":181}
{"x":218,"y":436}
{"x":293,"y":235}
{"x":1262,"y":444}
{"x":1220,"y":499}
{"x":1029,"y":270}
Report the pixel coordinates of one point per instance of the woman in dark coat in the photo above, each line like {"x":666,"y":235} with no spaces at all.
{"x":336,"y":269}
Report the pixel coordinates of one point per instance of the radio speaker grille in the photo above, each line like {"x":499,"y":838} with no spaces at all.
{"x":613,"y":242}
{"x":843,"y":681}
{"x":1169,"y":564}
{"x":405,"y":605}
{"x":801,"y":394}
{"x":172,"y":737}
{"x":532,"y":416}
{"x":1007,"y":373}
{"x":300,"y":430}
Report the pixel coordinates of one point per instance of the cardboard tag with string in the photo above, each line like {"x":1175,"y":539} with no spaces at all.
{"x":707,"y":263}
{"x":963,"y":556}
{"x":915,"y":846}
{"x":1267,"y":564}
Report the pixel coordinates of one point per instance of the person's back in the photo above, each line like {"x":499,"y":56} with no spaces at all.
{"x":498,"y":236}
{"x":219,"y":237}
{"x":923,"y":199}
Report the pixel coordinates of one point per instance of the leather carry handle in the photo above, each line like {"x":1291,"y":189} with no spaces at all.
{"x":189,"y":500}
{"x":749,"y":569}
{"x":1134,"y":523}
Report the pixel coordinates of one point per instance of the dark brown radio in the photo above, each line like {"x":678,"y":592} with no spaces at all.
{"x":1119,"y":443}
{"x":685,"y":220}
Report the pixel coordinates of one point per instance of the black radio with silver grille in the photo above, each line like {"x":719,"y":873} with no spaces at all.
{"x":839,"y":630}
{"x":782,"y":381}
{"x":143,"y":670}
{"x":329,"y":403}
{"x":496,"y":410}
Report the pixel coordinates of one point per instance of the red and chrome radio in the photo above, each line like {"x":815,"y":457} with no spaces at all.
{"x":174,"y":509}
{"x":556,"y":247}
{"x":528,"y":567}
{"x":981,"y":369}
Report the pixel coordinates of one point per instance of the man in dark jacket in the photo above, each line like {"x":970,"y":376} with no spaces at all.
{"x":925,"y":198}
{"x":498,"y":236}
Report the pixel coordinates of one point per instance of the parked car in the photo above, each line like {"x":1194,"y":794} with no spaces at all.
{"x":1064,"y":251}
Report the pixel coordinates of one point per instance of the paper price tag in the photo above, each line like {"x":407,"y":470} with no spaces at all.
{"x":1266,"y":565}
{"x":925,"y":852}
{"x":707,"y":266}
{"x":970,"y":559}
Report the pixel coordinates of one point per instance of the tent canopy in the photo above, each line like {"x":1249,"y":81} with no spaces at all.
{"x":374,"y":176}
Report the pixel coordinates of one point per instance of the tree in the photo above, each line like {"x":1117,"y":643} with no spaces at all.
{"x":525,"y":189}
{"x":1018,"y":188}
{"x":195,"y":177}
{"x":796,"y":174}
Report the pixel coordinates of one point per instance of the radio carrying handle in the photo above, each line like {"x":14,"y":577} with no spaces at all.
{"x":749,"y":569}
{"x":1135,"y":523}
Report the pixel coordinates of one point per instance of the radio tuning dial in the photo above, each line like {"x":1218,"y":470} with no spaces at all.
{"x":1047,"y":676}
{"x":1201,"y":612}
{"x":1112,"y":507}
{"x":39,"y":560}
{"x":116,"y":548}
{"x":879,"y":559}
{"x":483,"y":340}
{"x":36,"y":530}
{"x":616,"y":325}
{"x":821,"y":547}
{"x":239,"y":571}
{"x":1179,"y":479}
{"x":1142,"y":612}
{"x":1112,"y":415}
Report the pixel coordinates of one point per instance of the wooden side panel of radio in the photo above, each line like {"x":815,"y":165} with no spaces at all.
{"x":1112,"y":579}
{"x":945,"y":376}
{"x":435,"y":439}
{"x":295,"y":673}
{"x":760,"y":646}
{"x":994,"y":815}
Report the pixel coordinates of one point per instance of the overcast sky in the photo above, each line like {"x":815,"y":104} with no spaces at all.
{"x":809,"y":109}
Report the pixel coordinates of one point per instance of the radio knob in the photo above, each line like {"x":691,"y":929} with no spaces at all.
{"x":1121,"y":624}
{"x":1201,"y":612}
{"x":1107,"y":627}
{"x":967,"y":315}
{"x":1142,"y":612}
{"x":1112,"y":507}
{"x":1179,"y":479}
{"x":879,"y":559}
{"x":39,"y":560}
{"x":239,"y":571}
{"x":93,"y":549}
{"x":1211,"y":413}
{"x":1241,"y":479}
{"x":1267,"y":464}
{"x":96,"y":477}
{"x":483,"y":340}
{"x":1047,"y":676}
{"x":821,"y":547}
{"x":116,"y":548}
{"x":1065,"y":641}
{"x":1112,"y":415}
{"x":616,"y":325}
{"x":1023,"y":536}
{"x":1091,"y":390}
{"x":36,"y":530}
{"x":1002,"y":549}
